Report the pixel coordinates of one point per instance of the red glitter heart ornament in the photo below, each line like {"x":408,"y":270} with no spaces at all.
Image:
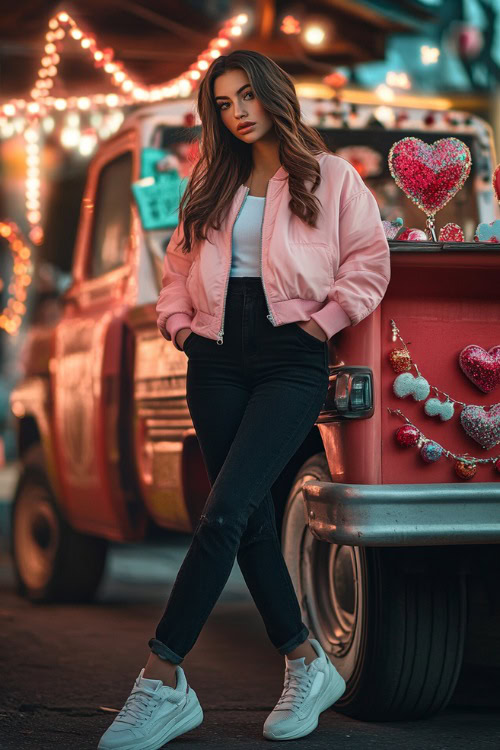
{"x":451,"y":233}
{"x":481,"y":367}
{"x":430,"y":174}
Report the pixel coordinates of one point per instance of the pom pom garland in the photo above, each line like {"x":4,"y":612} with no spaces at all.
{"x":480,"y":423}
{"x":465,"y":465}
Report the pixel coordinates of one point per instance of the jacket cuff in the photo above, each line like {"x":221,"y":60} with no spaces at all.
{"x":173,"y":324}
{"x":331,"y":318}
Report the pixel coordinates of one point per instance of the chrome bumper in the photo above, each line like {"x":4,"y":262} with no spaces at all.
{"x":398,"y":515}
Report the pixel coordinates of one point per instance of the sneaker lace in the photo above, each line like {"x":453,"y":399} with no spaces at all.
{"x":138,"y":706}
{"x":294,"y":691}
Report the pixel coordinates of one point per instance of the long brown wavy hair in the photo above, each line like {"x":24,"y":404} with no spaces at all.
{"x":225,"y":161}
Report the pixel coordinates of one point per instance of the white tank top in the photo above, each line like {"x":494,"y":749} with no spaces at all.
{"x":246,"y":238}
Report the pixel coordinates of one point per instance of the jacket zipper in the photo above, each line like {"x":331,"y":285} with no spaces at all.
{"x":220,"y":335}
{"x":270,"y":316}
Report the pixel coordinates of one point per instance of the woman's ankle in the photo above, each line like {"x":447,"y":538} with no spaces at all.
{"x":160,"y":669}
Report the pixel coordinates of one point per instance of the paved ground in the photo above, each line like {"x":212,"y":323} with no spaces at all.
{"x":65,"y":667}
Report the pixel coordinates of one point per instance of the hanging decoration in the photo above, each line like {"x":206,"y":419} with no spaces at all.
{"x":480,"y":366}
{"x":11,"y":316}
{"x":430,"y":175}
{"x":465,"y":465}
{"x":481,"y":423}
{"x":482,"y":426}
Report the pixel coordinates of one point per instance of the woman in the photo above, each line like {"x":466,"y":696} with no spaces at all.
{"x":279,"y":246}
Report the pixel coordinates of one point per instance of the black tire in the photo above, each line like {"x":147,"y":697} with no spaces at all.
{"x":52,"y":561}
{"x":392,"y":619}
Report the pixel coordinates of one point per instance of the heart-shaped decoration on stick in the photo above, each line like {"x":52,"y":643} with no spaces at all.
{"x":483,"y":426}
{"x":430,"y":174}
{"x":481,"y":367}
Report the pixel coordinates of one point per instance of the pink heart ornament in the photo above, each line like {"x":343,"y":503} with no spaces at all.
{"x":430,"y":175}
{"x":482,"y":426}
{"x":480,"y":366}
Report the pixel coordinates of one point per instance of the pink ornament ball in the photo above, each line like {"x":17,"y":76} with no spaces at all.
{"x":413,"y":235}
{"x":407,"y":435}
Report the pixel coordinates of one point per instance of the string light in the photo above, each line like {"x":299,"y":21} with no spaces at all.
{"x":61,"y":28}
{"x":290,"y":25}
{"x":398,"y":80}
{"x":12,"y":314}
{"x":429,"y":55}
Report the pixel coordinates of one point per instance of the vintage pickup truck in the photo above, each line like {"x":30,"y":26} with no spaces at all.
{"x":395,"y":560}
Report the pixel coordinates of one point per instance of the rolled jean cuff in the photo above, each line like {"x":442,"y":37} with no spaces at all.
{"x":295,"y":641}
{"x":159,"y":648}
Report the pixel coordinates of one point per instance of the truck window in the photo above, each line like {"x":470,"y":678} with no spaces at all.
{"x":111,"y":227}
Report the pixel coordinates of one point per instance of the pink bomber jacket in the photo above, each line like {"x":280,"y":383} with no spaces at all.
{"x":335,"y":273}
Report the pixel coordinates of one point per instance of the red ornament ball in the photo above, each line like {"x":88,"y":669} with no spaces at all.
{"x":411,"y":234}
{"x":465,"y":469}
{"x":407,"y":435}
{"x":400,"y":360}
{"x":497,"y":465}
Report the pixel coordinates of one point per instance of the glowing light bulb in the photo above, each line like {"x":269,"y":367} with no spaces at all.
{"x":385,"y":93}
{"x":314,"y":35}
{"x":429,"y":55}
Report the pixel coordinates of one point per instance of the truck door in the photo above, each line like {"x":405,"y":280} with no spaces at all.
{"x":87,"y":367}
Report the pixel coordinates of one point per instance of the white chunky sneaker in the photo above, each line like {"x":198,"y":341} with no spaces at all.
{"x":153,"y":714}
{"x":309,"y":690}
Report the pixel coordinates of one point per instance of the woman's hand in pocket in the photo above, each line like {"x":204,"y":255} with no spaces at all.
{"x":181,"y":336}
{"x":313,"y":328}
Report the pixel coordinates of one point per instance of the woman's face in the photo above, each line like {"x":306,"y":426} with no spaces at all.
{"x":238,"y":104}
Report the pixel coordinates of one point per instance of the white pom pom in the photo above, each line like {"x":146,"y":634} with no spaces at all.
{"x":421,"y":388}
{"x":434,"y":407}
{"x":404,"y":384}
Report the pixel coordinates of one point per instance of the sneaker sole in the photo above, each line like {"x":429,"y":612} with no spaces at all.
{"x":336,"y":689}
{"x":176,"y":726}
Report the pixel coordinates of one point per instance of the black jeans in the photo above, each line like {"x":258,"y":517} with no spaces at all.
{"x":253,"y":400}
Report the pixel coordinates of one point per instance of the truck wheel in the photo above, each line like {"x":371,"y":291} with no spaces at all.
{"x":52,"y":561}
{"x":392,"y":619}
